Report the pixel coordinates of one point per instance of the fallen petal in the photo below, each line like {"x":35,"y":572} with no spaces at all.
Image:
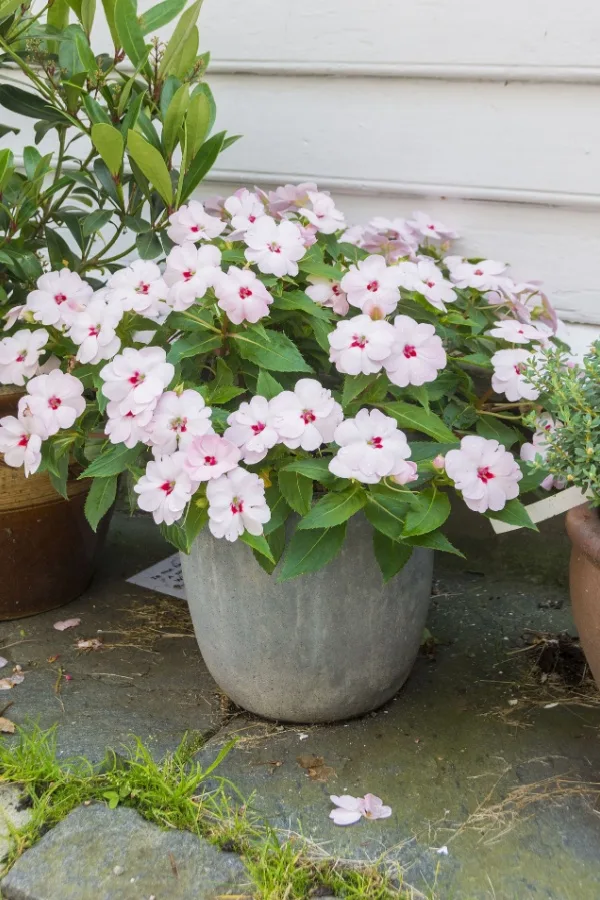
{"x":345,"y":801}
{"x":344,"y":816}
{"x":67,"y":623}
{"x":3,"y":662}
{"x":6,"y":726}
{"x":442,"y":851}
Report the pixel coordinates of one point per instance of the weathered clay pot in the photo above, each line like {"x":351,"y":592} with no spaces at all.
{"x":326,"y":646}
{"x":47,"y":549}
{"x":583,"y":527}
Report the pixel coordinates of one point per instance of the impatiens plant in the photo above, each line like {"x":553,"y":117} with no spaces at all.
{"x":281,"y":374}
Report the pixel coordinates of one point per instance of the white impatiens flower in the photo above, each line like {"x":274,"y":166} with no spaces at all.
{"x":251,"y":429}
{"x":515,"y":332}
{"x":19,"y":355}
{"x":166,"y":488}
{"x":371,"y":448}
{"x":192,"y":223}
{"x":58,"y":297}
{"x":417,"y":353}
{"x":305,"y":417}
{"x":392,"y":238}
{"x":242,"y":295}
{"x":328,"y":293}
{"x":509,"y":377}
{"x":372,"y":286}
{"x":190,"y":272}
{"x":20,"y":443}
{"x":361,"y":345}
{"x":137,"y":378}
{"x":93,"y":329}
{"x":127,"y":428}
{"x":177,"y":419}
{"x":139,"y":287}
{"x":422,"y":224}
{"x":349,"y":810}
{"x":485,"y":472}
{"x":55,"y":399}
{"x":484,"y":275}
{"x":424,"y":277}
{"x":236,"y":503}
{"x":244,"y":207}
{"x":211,"y":456}
{"x":274,"y":248}
{"x":323,"y":214}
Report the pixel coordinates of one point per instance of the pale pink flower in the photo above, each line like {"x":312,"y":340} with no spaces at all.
{"x":55,"y":399}
{"x":242,"y":295}
{"x":274,"y":248}
{"x":406,"y":473}
{"x":530,"y":303}
{"x":290,"y":196}
{"x":509,"y":375}
{"x":14,"y":314}
{"x":139,"y":287}
{"x":439,"y":462}
{"x":19,"y":355}
{"x":350,"y":810}
{"x":354,"y":235}
{"x":177,"y":420}
{"x":166,"y":488}
{"x":424,"y":277}
{"x":393,"y":238}
{"x":308,"y":233}
{"x":20,"y":444}
{"x":66,"y":623}
{"x":423,"y":224}
{"x":323,"y":213}
{"x":515,"y":332}
{"x":328,"y":293}
{"x":537,"y":449}
{"x":244,"y":207}
{"x":190,"y":272}
{"x":236,"y":503}
{"x":93,"y":329}
{"x":251,"y":429}
{"x":192,"y":223}
{"x":483,"y":275}
{"x":361,"y":345}
{"x":210,"y":456}
{"x":59,"y":295}
{"x":371,"y":448}
{"x":485,"y":472}
{"x":137,"y":378}
{"x":305,"y":417}
{"x":372,"y":285}
{"x":417,"y":353}
{"x":124,"y":426}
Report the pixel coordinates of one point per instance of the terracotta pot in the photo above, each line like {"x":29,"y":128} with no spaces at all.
{"x":47,"y":549}
{"x":583,"y":527}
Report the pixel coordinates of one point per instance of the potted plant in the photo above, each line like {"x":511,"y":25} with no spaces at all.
{"x":113,"y":122}
{"x":292,"y":401}
{"x":568,"y":446}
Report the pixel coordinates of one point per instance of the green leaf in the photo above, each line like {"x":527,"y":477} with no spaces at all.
{"x":128,"y":30}
{"x":496,"y":430}
{"x":88,"y":12}
{"x":96,"y":113}
{"x":100,"y":499}
{"x":267,"y":386}
{"x":186,"y":23}
{"x":391,"y":555}
{"x":109,"y":12}
{"x":428,"y":511}
{"x":479,"y":360}
{"x":416,"y":419}
{"x":276,"y":542}
{"x":333,"y":509}
{"x":174,"y":117}
{"x":514,"y":513}
{"x":59,"y":474}
{"x":225,"y":393}
{"x":532,"y":477}
{"x":148,"y":245}
{"x":258,"y":542}
{"x":298,"y":301}
{"x":297,"y":490}
{"x":428,"y":450}
{"x":160,"y":15}
{"x":128,"y":86}
{"x":106,"y":180}
{"x":435,"y":540}
{"x":183,"y":533}
{"x":31,"y":160}
{"x":277,"y":353}
{"x":309,"y":551}
{"x":202,"y":163}
{"x":59,"y":251}
{"x":88,"y":7}
{"x":355,"y":385}
{"x":387,"y":514}
{"x":317,"y":469}
{"x":198,"y":125}
{"x":108,"y":141}
{"x":111,"y":462}
{"x":193,"y":346}
{"x":279,"y":509}
{"x":187,"y":57}
{"x":151,"y":164}
{"x":96,"y":221}
{"x":26,"y":104}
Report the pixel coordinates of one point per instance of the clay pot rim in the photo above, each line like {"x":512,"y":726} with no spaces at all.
{"x":583,"y":528}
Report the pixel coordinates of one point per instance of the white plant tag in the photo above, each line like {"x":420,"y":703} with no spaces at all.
{"x":545,"y":509}
{"x":164,"y":577}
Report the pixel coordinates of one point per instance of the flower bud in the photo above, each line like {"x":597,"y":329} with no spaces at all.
{"x":439,"y":463}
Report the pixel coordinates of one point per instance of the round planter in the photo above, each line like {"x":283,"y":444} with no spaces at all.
{"x":583,"y":527}
{"x":47,"y":548}
{"x":326,"y":646}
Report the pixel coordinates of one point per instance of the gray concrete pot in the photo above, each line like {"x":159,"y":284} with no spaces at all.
{"x":323,"y":647}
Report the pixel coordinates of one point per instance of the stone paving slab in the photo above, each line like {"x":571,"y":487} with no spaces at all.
{"x":13,"y":815}
{"x":102,"y":854}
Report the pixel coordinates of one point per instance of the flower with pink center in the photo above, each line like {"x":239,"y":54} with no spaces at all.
{"x":515,"y":332}
{"x":251,"y":429}
{"x":392,"y":238}
{"x":192,"y":223}
{"x":371,"y":448}
{"x":93,"y":329}
{"x":424,"y":225}
{"x":177,"y":419}
{"x":290,"y":197}
{"x":128,"y":427}
{"x":209,"y":456}
{"x":138,"y":287}
{"x":59,"y":295}
{"x":20,"y":443}
{"x":361,"y":345}
{"x":417,"y":353}
{"x":483,"y":275}
{"x":305,"y":417}
{"x":244,"y":207}
{"x":274,"y":248}
{"x":372,"y":285}
{"x":19,"y":355}
{"x":485,"y":472}
{"x":328,"y":293}
{"x":509,"y":378}
{"x":190,"y":272}
{"x":424,"y":277}
{"x":323,"y":213}
{"x":528,"y":301}
{"x":137,"y":378}
{"x":350,"y":810}
{"x":166,"y":488}
{"x":236,"y":503}
{"x":242,"y":295}
{"x":55,"y":399}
